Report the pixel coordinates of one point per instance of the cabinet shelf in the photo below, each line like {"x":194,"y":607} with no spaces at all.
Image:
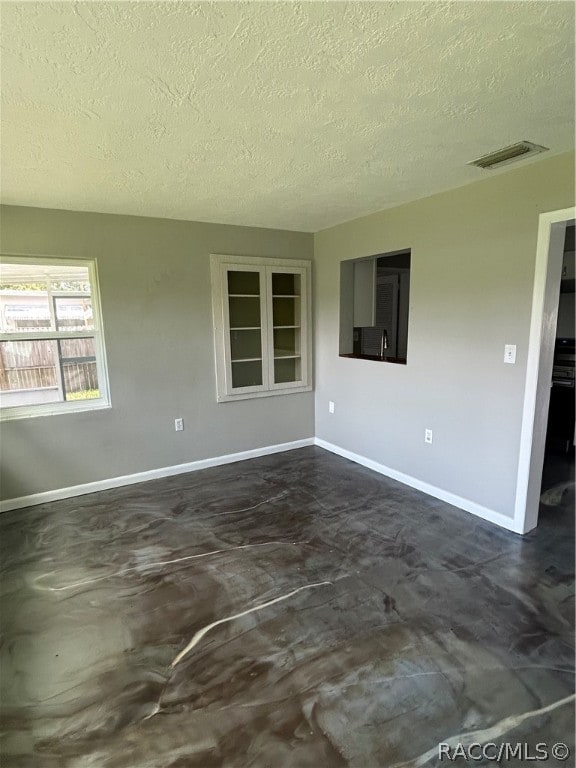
{"x":244,"y":295}
{"x":277,"y":327}
{"x":245,"y":328}
{"x":245,"y":359}
{"x":285,"y":295}
{"x":289,"y":356}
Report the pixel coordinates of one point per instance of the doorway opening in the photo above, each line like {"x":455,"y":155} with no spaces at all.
{"x":548,"y":319}
{"x":557,"y":489}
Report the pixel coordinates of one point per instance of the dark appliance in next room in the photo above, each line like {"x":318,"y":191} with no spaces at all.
{"x":560,"y":434}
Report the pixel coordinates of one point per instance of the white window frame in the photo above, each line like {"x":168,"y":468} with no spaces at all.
{"x":220,"y":264}
{"x":97,"y":333}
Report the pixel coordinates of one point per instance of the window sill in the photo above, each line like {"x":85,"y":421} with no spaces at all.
{"x":33,"y":412}
{"x":376,"y":358}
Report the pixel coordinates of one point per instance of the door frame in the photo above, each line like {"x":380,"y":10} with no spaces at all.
{"x":545,"y":299}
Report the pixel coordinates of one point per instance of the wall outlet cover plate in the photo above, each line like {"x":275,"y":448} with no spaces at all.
{"x":510,"y":353}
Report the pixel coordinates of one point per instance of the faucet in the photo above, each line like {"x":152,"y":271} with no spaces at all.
{"x":383,"y":343}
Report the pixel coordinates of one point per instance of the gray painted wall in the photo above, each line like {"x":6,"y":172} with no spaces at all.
{"x":473,"y":258}
{"x":155,"y":289}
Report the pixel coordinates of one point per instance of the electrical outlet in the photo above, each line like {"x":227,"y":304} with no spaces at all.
{"x":510,"y":353}
{"x":178,"y":425}
{"x":331,"y":406}
{"x":427,"y":435}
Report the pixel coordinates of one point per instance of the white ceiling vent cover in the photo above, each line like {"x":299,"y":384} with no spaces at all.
{"x":508,"y":155}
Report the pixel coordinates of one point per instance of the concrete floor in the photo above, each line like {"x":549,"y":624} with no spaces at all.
{"x":293,"y":611}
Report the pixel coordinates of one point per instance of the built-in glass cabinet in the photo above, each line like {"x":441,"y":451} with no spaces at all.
{"x":261,"y":326}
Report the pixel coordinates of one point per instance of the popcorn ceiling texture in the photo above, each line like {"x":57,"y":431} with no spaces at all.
{"x":286,"y":115}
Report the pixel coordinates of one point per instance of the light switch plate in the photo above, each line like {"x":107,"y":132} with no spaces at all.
{"x":510,"y":353}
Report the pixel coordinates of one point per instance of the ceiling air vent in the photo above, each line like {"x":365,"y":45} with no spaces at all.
{"x":508,"y":155}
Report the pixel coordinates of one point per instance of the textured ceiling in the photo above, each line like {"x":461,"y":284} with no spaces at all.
{"x":276,"y":114}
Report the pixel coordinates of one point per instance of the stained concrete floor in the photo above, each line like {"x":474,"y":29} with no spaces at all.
{"x":293,"y":611}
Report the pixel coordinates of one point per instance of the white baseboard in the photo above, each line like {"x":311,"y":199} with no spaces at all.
{"x":438,"y":493}
{"x":152,"y":474}
{"x":193,"y":466}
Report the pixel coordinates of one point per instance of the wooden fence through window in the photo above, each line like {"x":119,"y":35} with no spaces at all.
{"x":32,"y":365}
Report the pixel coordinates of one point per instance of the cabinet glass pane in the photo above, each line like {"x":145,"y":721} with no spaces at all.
{"x":244,"y":311}
{"x":244,"y":282}
{"x":285,"y":284}
{"x":286,"y":341}
{"x":287,"y":369}
{"x":245,"y":344}
{"x":246,"y":374}
{"x":286,"y":311}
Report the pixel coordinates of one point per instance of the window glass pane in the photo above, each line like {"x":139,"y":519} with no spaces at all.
{"x":80,"y":377}
{"x":73,"y":313}
{"x":82,"y":349}
{"x":47,"y":371}
{"x":24,"y":310}
{"x":28,"y":373}
{"x":31,"y":297}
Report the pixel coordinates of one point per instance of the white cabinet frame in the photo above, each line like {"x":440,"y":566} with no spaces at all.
{"x":220,"y":266}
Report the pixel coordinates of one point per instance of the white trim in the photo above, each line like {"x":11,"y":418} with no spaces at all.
{"x":540,"y":352}
{"x":262,"y":261}
{"x":46,"y":335}
{"x":44,"y":409}
{"x":220,"y":264}
{"x":58,"y":408}
{"x":450,"y":498}
{"x":152,"y":474}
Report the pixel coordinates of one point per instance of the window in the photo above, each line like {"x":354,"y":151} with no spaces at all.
{"x":51,"y":346}
{"x":261,"y":323}
{"x":374,"y":300}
